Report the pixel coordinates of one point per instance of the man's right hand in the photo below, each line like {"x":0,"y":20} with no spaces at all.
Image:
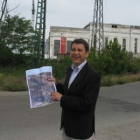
{"x":52,"y":80}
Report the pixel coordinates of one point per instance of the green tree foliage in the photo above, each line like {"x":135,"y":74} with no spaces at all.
{"x":17,"y":33}
{"x":6,"y":56}
{"x":59,"y":66}
{"x":113,"y":60}
{"x":17,"y":39}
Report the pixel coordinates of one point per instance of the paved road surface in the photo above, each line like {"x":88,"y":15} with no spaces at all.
{"x":117,"y":116}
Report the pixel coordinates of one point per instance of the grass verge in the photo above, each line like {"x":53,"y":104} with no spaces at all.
{"x":111,"y":80}
{"x":15,"y":80}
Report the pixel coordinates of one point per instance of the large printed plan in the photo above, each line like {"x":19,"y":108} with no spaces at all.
{"x":39,"y":87}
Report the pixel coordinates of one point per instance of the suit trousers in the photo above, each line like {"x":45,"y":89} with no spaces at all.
{"x":65,"y":137}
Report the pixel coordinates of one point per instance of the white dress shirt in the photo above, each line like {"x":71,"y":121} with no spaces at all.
{"x":75,"y":71}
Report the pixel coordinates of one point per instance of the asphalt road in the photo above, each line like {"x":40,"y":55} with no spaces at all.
{"x":117,"y":116}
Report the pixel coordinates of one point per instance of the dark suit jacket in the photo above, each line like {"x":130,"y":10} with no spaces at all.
{"x":78,"y":103}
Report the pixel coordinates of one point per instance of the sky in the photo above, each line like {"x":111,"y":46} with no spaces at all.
{"x":78,"y":13}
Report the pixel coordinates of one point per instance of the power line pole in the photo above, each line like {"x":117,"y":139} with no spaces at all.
{"x":3,"y":9}
{"x":33,"y":13}
{"x":41,"y":28}
{"x":98,"y":27}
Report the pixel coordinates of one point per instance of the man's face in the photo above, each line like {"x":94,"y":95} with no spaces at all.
{"x":78,"y":54}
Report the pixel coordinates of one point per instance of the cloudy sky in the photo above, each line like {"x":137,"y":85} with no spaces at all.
{"x":78,"y":13}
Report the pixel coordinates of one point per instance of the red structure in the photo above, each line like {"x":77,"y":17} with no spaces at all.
{"x":63,"y":45}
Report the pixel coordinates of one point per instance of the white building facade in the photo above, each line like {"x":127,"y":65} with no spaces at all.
{"x":60,"y":38}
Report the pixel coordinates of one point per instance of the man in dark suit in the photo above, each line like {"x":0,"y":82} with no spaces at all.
{"x":78,"y":95}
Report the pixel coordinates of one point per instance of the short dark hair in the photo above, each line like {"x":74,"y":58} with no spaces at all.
{"x":81,"y":41}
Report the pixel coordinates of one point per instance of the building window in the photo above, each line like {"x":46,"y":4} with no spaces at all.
{"x":124,"y":44}
{"x":136,"y":44}
{"x":56,"y":47}
{"x":114,"y":26}
{"x":106,"y":41}
{"x":69,"y":46}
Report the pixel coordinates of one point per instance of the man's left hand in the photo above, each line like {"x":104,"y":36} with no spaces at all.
{"x":56,"y":95}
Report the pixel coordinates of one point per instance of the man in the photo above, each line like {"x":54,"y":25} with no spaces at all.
{"x":78,"y":95}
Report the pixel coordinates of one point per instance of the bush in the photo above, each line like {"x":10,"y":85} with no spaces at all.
{"x":21,"y":60}
{"x":59,"y":66}
{"x":107,"y":81}
{"x":6,"y":56}
{"x":13,"y":79}
{"x":9,"y":59}
{"x":12,"y":83}
{"x":110,"y":61}
{"x":113,"y":60}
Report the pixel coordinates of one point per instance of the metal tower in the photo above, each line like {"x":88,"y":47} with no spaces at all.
{"x":41,"y":28}
{"x":98,"y":28}
{"x":3,"y":9}
{"x":33,"y":13}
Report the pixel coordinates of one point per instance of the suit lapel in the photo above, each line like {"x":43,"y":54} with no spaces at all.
{"x":79,"y":77}
{"x":67,"y":78}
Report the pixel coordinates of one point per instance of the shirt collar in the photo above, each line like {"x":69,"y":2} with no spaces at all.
{"x":78,"y":67}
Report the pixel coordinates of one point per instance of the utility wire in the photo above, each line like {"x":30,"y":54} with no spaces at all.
{"x":4,"y":9}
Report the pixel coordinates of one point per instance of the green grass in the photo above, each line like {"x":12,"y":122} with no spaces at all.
{"x":14,"y":79}
{"x":111,"y":80}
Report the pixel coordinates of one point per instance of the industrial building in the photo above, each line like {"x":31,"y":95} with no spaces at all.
{"x":60,"y":38}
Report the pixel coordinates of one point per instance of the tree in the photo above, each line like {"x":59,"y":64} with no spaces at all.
{"x":113,"y":60}
{"x":6,"y":56}
{"x":17,"y":33}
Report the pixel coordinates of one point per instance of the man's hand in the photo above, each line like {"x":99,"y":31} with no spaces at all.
{"x":52,"y":80}
{"x":56,"y":96}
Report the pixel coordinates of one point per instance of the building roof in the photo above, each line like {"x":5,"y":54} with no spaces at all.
{"x":114,"y":25}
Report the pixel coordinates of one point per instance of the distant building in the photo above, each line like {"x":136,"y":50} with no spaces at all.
{"x":60,"y":38}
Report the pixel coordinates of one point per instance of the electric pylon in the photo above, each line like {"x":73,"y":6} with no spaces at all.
{"x":40,"y":29}
{"x":98,"y":28}
{"x":33,"y":13}
{"x":3,"y":8}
